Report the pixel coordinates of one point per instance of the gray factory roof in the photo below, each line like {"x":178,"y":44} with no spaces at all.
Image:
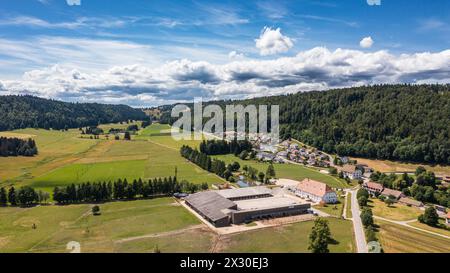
{"x":210,"y":204}
{"x":244,"y":192}
{"x":266,"y":203}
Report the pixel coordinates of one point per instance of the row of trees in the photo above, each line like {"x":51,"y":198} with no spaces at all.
{"x":219,"y":147}
{"x":205,"y":161}
{"x":18,"y":112}
{"x":24,"y":197}
{"x":366,"y":215}
{"x":122,"y":190}
{"x":17,"y":147}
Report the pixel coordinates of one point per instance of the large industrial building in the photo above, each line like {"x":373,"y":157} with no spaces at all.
{"x":235,"y":206}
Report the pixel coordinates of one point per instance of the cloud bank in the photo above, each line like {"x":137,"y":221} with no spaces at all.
{"x":182,"y":80}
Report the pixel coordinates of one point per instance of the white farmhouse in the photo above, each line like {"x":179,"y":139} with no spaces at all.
{"x":316,"y":191}
{"x":350,"y":171}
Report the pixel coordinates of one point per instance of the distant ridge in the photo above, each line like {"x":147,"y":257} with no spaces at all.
{"x":18,"y":112}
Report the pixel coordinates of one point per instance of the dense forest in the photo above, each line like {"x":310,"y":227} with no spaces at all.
{"x":396,"y":122}
{"x":18,"y":112}
{"x":17,"y":147}
{"x":221,"y":147}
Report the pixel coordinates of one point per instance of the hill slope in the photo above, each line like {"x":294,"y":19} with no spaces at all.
{"x":398,"y":122}
{"x":27,"y":111}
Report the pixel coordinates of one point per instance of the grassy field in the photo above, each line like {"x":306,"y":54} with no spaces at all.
{"x":291,"y":238}
{"x":433,"y":229}
{"x":348,"y":212}
{"x":398,"y":239}
{"x":65,"y":158}
{"x":332,"y":209}
{"x":396,"y":212}
{"x":56,"y":225}
{"x":288,"y":171}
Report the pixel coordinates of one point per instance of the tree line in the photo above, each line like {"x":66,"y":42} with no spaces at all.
{"x":24,"y":197}
{"x":18,"y":112}
{"x":220,"y":147}
{"x":205,"y":162}
{"x":17,"y":147}
{"x":123,"y":190}
{"x":394,"y":122}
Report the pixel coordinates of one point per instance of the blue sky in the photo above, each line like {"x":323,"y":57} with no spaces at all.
{"x":154,"y":52}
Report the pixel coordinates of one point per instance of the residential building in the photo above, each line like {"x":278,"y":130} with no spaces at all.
{"x":316,"y":191}
{"x":396,"y":194}
{"x":447,"y":221}
{"x":373,"y":188}
{"x":410,"y":202}
{"x":350,"y":171}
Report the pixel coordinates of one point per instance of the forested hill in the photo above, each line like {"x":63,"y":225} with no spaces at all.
{"x":28,"y":111}
{"x":400,"y":122}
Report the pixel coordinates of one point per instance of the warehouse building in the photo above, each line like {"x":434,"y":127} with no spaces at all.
{"x":235,"y":206}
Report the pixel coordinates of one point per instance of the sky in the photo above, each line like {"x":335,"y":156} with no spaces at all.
{"x":149,"y":53}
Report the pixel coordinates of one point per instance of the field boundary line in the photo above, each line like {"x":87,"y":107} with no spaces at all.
{"x":404,"y":224}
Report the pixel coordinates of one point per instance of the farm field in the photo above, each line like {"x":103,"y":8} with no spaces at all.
{"x":58,"y":225}
{"x":442,"y":231}
{"x":290,"y":238}
{"x":398,"y":239}
{"x":65,"y":158}
{"x":396,"y":212}
{"x":143,"y":226}
{"x":288,"y":171}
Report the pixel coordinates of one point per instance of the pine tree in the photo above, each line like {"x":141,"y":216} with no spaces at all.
{"x":3,"y":197}
{"x":320,"y":236}
{"x":12,"y":196}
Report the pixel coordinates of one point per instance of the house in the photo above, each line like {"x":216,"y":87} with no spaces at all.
{"x":373,"y":188}
{"x":396,"y":194}
{"x":316,"y":191}
{"x":410,"y":202}
{"x":368,"y":171}
{"x":350,"y":171}
{"x":447,"y":220}
{"x":344,"y":159}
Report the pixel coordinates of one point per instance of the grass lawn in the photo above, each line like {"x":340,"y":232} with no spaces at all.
{"x":348,"y":212}
{"x":398,"y":239}
{"x":288,"y":171}
{"x":290,"y":238}
{"x":433,"y":229}
{"x":332,"y":209}
{"x":58,"y":225}
{"x":397,"y":212}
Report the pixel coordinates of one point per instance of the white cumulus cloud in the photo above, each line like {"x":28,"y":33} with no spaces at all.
{"x":366,"y":42}
{"x":272,"y":41}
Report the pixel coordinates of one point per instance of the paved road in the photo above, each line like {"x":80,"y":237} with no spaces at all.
{"x":361,"y":244}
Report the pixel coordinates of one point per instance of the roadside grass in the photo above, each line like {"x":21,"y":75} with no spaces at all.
{"x":288,"y":171}
{"x":396,"y":212}
{"x":290,"y":238}
{"x":439,"y":230}
{"x":58,"y":225}
{"x":334,"y":210}
{"x":399,"y":239}
{"x":348,"y":211}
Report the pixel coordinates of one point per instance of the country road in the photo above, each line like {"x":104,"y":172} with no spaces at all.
{"x":361,"y":244}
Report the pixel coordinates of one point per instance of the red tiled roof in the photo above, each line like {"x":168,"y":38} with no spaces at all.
{"x":374,"y":185}
{"x":387,"y":192}
{"x":314,"y":187}
{"x":448,"y":215}
{"x":349,"y":168}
